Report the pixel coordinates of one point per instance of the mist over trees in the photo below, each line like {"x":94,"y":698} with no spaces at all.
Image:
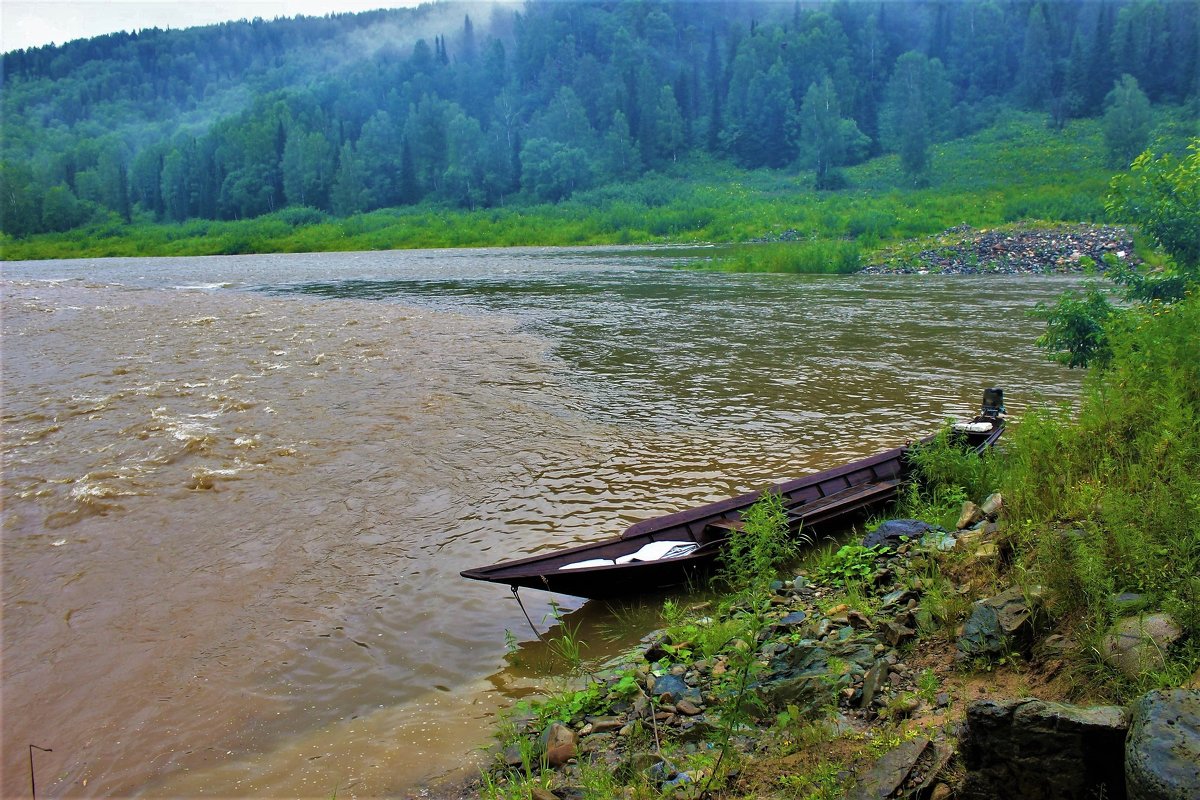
{"x":479,"y":106}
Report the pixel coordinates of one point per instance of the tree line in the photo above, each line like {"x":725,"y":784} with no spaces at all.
{"x":349,"y":113}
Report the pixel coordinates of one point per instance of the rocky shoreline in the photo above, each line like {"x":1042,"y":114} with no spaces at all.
{"x":1023,"y":249}
{"x":876,"y":673}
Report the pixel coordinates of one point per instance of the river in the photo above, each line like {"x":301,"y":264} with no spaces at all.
{"x":237,"y":491}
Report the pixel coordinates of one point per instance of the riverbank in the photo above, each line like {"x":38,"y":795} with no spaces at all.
{"x":1014,"y":170}
{"x":904,"y":667}
{"x":862,"y":676}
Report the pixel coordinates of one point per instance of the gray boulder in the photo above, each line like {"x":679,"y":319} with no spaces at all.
{"x":673,"y":688}
{"x":1139,"y":644}
{"x":997,"y":625}
{"x":891,"y":771}
{"x":1162,"y":753}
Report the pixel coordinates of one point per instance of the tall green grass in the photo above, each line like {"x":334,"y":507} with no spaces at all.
{"x":1107,"y":499}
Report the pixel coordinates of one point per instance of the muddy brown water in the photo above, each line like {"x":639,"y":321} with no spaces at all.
{"x":237,"y":492}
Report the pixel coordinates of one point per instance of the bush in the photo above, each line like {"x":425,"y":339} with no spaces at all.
{"x":754,"y":554}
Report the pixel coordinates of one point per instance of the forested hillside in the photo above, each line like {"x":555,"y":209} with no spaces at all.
{"x":483,"y":105}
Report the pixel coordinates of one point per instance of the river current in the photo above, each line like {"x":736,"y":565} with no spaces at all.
{"x":237,"y":491}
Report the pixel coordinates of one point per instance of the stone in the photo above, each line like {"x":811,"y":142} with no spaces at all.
{"x":890,"y":772}
{"x":1162,"y":753}
{"x":793,"y":620}
{"x":605,"y":724}
{"x":895,"y":633}
{"x":872,"y":680}
{"x":858,"y":620}
{"x":672,"y":688}
{"x":656,"y":650}
{"x":987,"y":551}
{"x":939,"y":540}
{"x":802,"y":676}
{"x":897,"y":598}
{"x":1038,"y":750}
{"x":689,"y":708}
{"x":1138,"y":644}
{"x":696,"y":729}
{"x":538,"y":793}
{"x":679,"y":781}
{"x":903,"y":705}
{"x":511,"y":756}
{"x":971,"y":514}
{"x":997,"y":624}
{"x":992,"y":506}
{"x":560,"y":744}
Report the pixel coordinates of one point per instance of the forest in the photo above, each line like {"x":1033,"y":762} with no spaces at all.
{"x":478,"y":106}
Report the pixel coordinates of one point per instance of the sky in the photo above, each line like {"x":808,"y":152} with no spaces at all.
{"x":32,"y":23}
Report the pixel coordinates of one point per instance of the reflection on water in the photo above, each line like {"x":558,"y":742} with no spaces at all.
{"x":237,"y":492}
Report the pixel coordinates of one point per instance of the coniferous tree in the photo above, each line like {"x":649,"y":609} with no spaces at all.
{"x":407,"y":190}
{"x":916,"y":102}
{"x":1127,"y":121}
{"x":1033,"y":78}
{"x":348,"y":194}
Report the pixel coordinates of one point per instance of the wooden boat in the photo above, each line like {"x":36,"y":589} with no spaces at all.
{"x":679,"y":548}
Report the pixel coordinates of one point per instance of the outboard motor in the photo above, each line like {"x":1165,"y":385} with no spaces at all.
{"x":993,"y":402}
{"x":985,"y":427}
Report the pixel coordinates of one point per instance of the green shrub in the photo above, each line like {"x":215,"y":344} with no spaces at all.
{"x":754,"y":554}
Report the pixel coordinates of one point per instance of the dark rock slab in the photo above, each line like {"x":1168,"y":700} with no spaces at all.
{"x":1162,"y":753}
{"x":1043,"y":751}
{"x":891,"y":771}
{"x":793,"y":620}
{"x":872,"y":680}
{"x":895,"y":633}
{"x":802,"y":676}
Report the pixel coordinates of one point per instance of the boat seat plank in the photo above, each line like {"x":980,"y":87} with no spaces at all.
{"x":845,"y":500}
{"x":814,"y":510}
{"x":728,"y":524}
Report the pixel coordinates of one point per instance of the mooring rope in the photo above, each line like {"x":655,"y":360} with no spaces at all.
{"x":532,"y":627}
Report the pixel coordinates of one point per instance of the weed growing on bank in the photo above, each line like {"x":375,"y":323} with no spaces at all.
{"x":1107,"y":500}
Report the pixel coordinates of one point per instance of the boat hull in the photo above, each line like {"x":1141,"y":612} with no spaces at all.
{"x":824,"y":500}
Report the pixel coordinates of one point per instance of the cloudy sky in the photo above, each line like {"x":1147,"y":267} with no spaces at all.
{"x":30,"y":23}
